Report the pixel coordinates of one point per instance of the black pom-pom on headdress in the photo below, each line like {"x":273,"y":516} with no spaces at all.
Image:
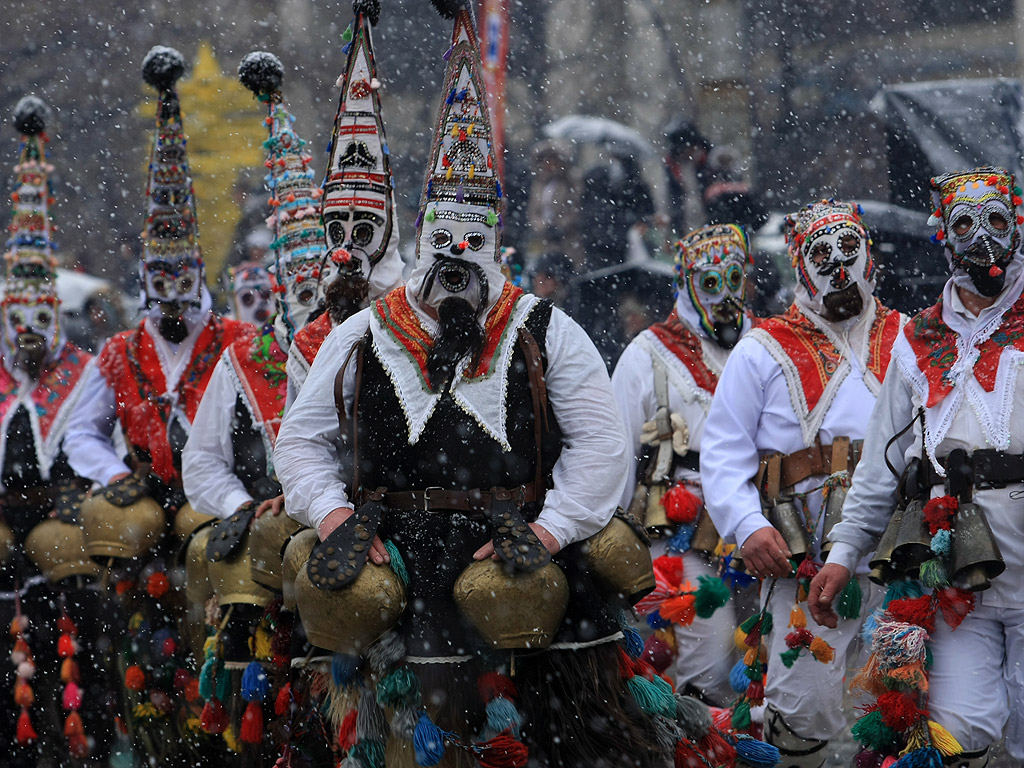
{"x":30,"y":115}
{"x":261,"y":72}
{"x":369,"y":8}
{"x":163,"y":67}
{"x":448,"y":8}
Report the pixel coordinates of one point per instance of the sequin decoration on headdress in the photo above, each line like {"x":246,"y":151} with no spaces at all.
{"x":298,"y":243}
{"x":711,"y":277}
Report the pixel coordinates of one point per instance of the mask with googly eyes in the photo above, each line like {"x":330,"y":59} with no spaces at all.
{"x":831,"y":252}
{"x":169,"y":280}
{"x":978,"y":220}
{"x":31,"y":326}
{"x":711,"y":265}
{"x":252,"y":293}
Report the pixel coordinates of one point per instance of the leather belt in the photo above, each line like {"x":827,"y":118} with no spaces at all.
{"x":777,"y":471}
{"x":37,"y":498}
{"x":985,"y":468}
{"x":475,"y":502}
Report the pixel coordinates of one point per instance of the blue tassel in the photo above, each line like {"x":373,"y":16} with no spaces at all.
{"x":927,"y":757}
{"x":634,"y":643}
{"x":758,"y":754}
{"x":346,"y":48}
{"x":502,"y":714}
{"x":680,"y":541}
{"x":738,"y":679}
{"x":654,"y":621}
{"x":255,"y":684}
{"x":451,"y":98}
{"x":428,"y":741}
{"x":344,"y":669}
{"x":867,"y":632}
{"x":941,"y":542}
{"x":652,"y":696}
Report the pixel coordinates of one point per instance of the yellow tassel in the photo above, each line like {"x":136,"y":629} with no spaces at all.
{"x":797,"y":618}
{"x":667,"y":635}
{"x":231,"y":740}
{"x":455,"y":131}
{"x":472,"y":171}
{"x":739,"y":637}
{"x":822,"y":651}
{"x":469,"y":129}
{"x":448,"y":173}
{"x":801,"y":594}
{"x":260,"y":642}
{"x":943,"y":740}
{"x":750,"y":656}
{"x":918,"y":739}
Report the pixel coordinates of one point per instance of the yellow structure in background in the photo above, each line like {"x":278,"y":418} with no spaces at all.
{"x":224,"y":126}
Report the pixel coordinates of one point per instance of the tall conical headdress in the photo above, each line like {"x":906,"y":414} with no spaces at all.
{"x":358,"y":203}
{"x":171,"y":259}
{"x":30,"y":289}
{"x":298,"y":244}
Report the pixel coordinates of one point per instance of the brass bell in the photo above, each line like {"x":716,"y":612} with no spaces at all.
{"x":348,"y":620}
{"x":883,"y":569}
{"x":296,"y":555}
{"x":975,"y":553}
{"x":267,"y":537}
{"x":513,"y":611}
{"x":655,"y":520}
{"x":187,"y":520}
{"x":833,"y":514}
{"x":620,"y":562}
{"x":232,"y":581}
{"x":58,"y":550}
{"x":913,"y":544}
{"x":6,"y":542}
{"x":705,"y":537}
{"x":113,"y":532}
{"x":197,"y":591}
{"x":785,"y":518}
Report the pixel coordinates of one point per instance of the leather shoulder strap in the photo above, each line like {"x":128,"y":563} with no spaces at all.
{"x":539,"y":395}
{"x":351,"y":426}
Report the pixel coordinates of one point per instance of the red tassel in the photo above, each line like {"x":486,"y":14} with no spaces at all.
{"x":716,"y":749}
{"x":670,"y":568}
{"x":681,"y":505}
{"x":938,"y":513}
{"x":755,"y":692}
{"x":72,"y":698}
{"x":283,"y":700}
{"x":252,"y":724}
{"x":799,"y":638}
{"x":807,"y":569}
{"x":23,"y":695}
{"x":74,"y":732}
{"x":914,"y":610}
{"x":213,"y":718}
{"x":65,"y":646}
{"x":503,"y":751}
{"x":134,"y":678}
{"x":347,"y":732}
{"x":955,"y":604}
{"x":25,"y":734}
{"x":491,"y":685}
{"x":687,"y":756}
{"x":899,"y":712}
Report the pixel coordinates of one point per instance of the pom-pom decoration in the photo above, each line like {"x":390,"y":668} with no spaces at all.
{"x":163,"y":67}
{"x":31,"y":114}
{"x":449,"y":8}
{"x":261,"y":72}
{"x":368,"y":8}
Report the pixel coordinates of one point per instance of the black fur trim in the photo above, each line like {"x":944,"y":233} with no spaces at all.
{"x":448,"y":8}
{"x":369,"y":8}
{"x":30,"y":115}
{"x":163,"y":67}
{"x":261,"y":72}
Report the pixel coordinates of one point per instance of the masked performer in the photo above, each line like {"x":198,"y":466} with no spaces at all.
{"x":778,"y":449}
{"x":251,"y":293}
{"x":151,"y":379}
{"x":663,"y":385}
{"x":463,"y":398}
{"x":358,"y":206}
{"x":944,"y":448}
{"x":227,"y":464}
{"x":54,"y":617}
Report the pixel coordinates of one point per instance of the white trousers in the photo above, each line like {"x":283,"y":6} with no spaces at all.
{"x":977,"y":679}
{"x":705,"y":649}
{"x":809,"y":695}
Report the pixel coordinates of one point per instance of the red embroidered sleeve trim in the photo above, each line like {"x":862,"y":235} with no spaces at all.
{"x":684,"y":344}
{"x":311,"y":336}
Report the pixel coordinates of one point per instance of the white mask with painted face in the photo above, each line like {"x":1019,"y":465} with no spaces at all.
{"x":251,"y":289}
{"x":172,"y":280}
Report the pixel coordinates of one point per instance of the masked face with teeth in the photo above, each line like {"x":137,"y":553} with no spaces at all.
{"x":831,"y":252}
{"x":30,"y":317}
{"x":711,"y":263}
{"x":979,"y":224}
{"x":250,"y":287}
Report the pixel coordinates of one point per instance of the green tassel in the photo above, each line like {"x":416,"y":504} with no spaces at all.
{"x":873,"y":733}
{"x":767,"y":624}
{"x":369,"y":752}
{"x":755,"y":671}
{"x":431,"y":215}
{"x":928,"y":658}
{"x":651,"y":697}
{"x":898,"y":590}
{"x":789,"y":657}
{"x":399,"y":689}
{"x":492,"y":218}
{"x":397,"y":563}
{"x":850,"y":600}
{"x":711,"y":595}
{"x":346,"y":36}
{"x":741,"y":715}
{"x":933,"y":574}
{"x":223,"y":683}
{"x":207,"y":676}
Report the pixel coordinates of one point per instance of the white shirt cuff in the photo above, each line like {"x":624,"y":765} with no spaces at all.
{"x":747,"y":526}
{"x":564,"y":532}
{"x":845,"y":555}
{"x":323,"y":506}
{"x":233,"y":501}
{"x":115,"y":470}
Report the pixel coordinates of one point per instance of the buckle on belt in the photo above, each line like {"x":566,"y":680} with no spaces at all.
{"x":426,"y":496}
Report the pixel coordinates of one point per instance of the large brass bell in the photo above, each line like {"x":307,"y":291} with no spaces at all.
{"x":267,"y":537}
{"x":913,"y":544}
{"x":58,"y":550}
{"x":883,"y":569}
{"x":513,"y":611}
{"x":197,"y":590}
{"x":652,"y":511}
{"x":786,"y":519}
{"x":705,"y":537}
{"x":232,"y":580}
{"x":112,"y":532}
{"x":620,"y":561}
{"x":296,"y":554}
{"x":833,"y":514}
{"x":6,"y":542}
{"x":975,"y":554}
{"x":349,"y":619}
{"x":187,"y":520}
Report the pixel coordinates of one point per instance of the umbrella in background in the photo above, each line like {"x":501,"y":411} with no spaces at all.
{"x":584,"y":129}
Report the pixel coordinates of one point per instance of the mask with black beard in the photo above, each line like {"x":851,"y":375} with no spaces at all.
{"x":727,"y":317}
{"x":985,"y":263}
{"x":346,"y":295}
{"x":459,"y":335}
{"x":844,"y":304}
{"x":30,"y":353}
{"x":172,"y":325}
